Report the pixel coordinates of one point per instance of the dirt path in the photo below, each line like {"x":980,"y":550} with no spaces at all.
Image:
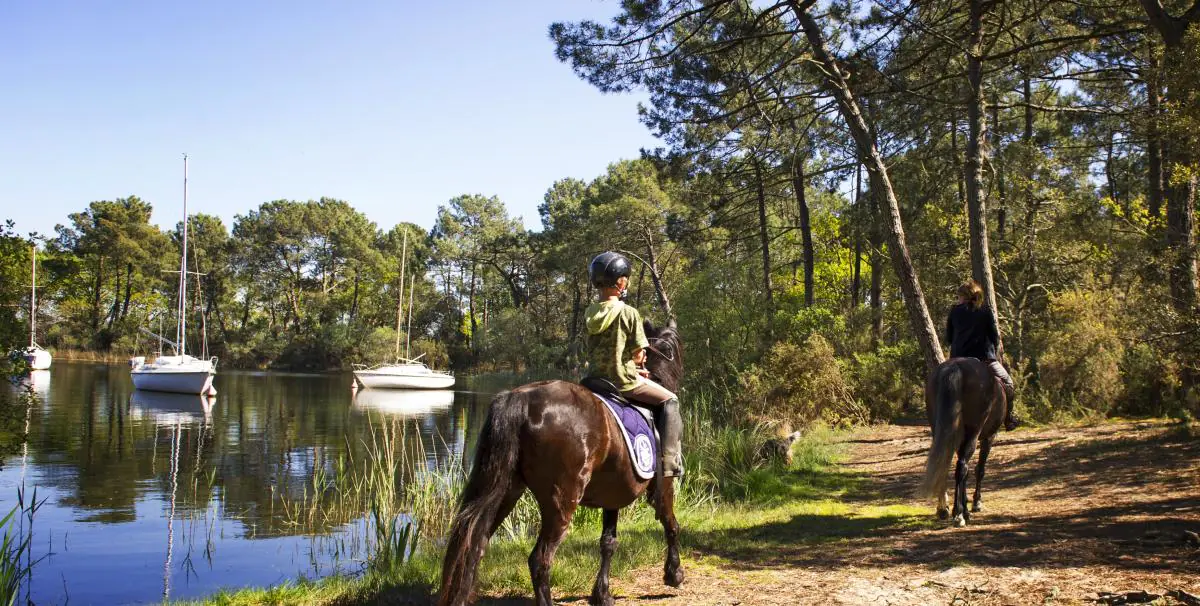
{"x":1068,"y":513}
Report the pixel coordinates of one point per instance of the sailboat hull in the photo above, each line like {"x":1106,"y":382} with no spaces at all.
{"x":383,"y":380}
{"x":174,"y":382}
{"x":37,"y":358}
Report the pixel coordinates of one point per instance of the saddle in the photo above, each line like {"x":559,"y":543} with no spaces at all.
{"x":636,"y":423}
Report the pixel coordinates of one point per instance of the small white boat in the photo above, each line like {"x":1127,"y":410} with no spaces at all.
{"x":405,"y":374}
{"x":175,"y":374}
{"x":403,"y":403}
{"x":36,"y":357}
{"x":179,"y":373}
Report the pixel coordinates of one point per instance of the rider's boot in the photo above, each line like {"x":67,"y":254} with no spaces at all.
{"x":1011,"y":421}
{"x":670,"y":432}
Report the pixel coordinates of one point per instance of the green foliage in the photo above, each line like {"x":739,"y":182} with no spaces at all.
{"x":1080,"y":366}
{"x":883,"y":381}
{"x":799,"y":384}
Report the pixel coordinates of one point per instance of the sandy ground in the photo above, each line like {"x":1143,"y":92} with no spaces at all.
{"x":1069,"y":513}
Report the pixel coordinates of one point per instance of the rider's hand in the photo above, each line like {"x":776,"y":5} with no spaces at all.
{"x":645,"y":373}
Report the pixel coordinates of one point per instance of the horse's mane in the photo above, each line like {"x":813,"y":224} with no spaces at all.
{"x":664,"y":358}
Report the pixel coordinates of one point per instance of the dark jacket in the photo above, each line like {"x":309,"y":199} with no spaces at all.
{"x":972,"y":332}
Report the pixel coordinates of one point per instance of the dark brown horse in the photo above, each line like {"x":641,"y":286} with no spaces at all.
{"x":557,"y":440}
{"x":966,"y":405}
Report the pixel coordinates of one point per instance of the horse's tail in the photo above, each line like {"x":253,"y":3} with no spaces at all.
{"x":489,"y":483}
{"x":946,"y":429}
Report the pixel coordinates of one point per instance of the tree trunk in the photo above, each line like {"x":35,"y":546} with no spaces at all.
{"x":354,"y":298}
{"x":998,"y":168}
{"x":876,"y":259}
{"x":805,"y":228}
{"x":958,"y":179}
{"x":115,"y":310}
{"x":1180,"y":159}
{"x":1154,"y":152}
{"x":97,"y":287}
{"x":910,"y":285}
{"x":981,"y":262}
{"x":471,"y":308}
{"x":128,"y":290}
{"x":764,"y":242}
{"x":856,"y":280}
{"x":656,"y":275}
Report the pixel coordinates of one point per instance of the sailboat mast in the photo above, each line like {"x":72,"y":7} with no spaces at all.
{"x":182,"y":338}
{"x":408,"y":333}
{"x":33,"y":297}
{"x":400,"y":301}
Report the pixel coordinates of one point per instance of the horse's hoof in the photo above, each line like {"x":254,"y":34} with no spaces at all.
{"x":976,"y":507}
{"x":602,"y":601}
{"x":943,"y":514}
{"x":673,"y":578}
{"x":960,"y":521}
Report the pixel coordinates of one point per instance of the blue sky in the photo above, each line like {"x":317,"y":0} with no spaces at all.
{"x":393,"y":106}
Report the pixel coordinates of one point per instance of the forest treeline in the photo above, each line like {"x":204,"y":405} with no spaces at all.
{"x":829,"y":173}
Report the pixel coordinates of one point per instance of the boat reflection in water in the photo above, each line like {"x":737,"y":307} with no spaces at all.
{"x":170,"y":408}
{"x":173,"y":412}
{"x":37,"y":381}
{"x":403,"y":403}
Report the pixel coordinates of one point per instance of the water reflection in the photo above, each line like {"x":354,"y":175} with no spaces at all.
{"x":170,"y":408}
{"x":403,"y":402}
{"x":200,"y":494}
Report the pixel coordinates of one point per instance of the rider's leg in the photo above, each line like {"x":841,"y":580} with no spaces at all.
{"x":1010,"y":391}
{"x":667,"y":419}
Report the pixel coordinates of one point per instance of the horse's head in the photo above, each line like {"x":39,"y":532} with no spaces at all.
{"x":664,"y":357}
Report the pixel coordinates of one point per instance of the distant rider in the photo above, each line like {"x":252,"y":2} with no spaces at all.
{"x":616,"y":344}
{"x":972,"y":333}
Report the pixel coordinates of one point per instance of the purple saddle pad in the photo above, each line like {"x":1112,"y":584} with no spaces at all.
{"x":639,"y":436}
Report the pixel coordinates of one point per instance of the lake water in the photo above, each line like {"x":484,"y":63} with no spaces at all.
{"x":150,"y":495}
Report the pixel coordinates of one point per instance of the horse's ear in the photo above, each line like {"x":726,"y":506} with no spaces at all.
{"x":671,"y":323}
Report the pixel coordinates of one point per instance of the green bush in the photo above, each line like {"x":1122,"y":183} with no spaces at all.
{"x":1079,"y":368}
{"x":798,"y":384}
{"x":888,"y":381}
{"x":1151,"y":382}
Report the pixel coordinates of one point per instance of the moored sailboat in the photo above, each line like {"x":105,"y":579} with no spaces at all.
{"x":179,"y":373}
{"x":35,"y":356}
{"x":406,"y":372}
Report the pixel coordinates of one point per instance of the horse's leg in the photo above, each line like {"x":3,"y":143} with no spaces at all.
{"x":557,"y":509}
{"x":943,"y":506}
{"x":601,"y":595}
{"x":965,"y":450}
{"x":664,"y":509}
{"x":506,"y":506}
{"x":985,"y":447}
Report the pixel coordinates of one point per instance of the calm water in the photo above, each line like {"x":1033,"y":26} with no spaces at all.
{"x":150,"y":495}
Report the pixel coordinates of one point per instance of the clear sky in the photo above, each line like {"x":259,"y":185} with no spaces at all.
{"x":393,"y":106}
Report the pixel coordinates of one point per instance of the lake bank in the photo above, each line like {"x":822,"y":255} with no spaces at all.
{"x":1072,"y":511}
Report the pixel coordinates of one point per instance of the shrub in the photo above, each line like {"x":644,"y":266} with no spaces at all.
{"x":889,"y":381}
{"x":799,"y":384}
{"x":1079,"y":368}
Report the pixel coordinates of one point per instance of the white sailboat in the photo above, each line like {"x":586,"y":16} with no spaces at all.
{"x":406,"y":372}
{"x":36,"y":357}
{"x":179,"y":373}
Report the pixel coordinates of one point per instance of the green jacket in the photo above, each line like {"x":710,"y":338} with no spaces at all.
{"x":614,"y":332}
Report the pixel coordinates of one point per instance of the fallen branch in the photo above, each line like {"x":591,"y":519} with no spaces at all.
{"x":1185,"y":597}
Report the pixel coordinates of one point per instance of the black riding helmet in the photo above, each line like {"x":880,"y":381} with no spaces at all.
{"x":607,"y":268}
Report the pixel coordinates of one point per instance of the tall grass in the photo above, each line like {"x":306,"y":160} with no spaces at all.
{"x":409,"y":501}
{"x":16,"y":554}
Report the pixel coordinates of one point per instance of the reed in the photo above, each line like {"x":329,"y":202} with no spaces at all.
{"x":16,"y":554}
